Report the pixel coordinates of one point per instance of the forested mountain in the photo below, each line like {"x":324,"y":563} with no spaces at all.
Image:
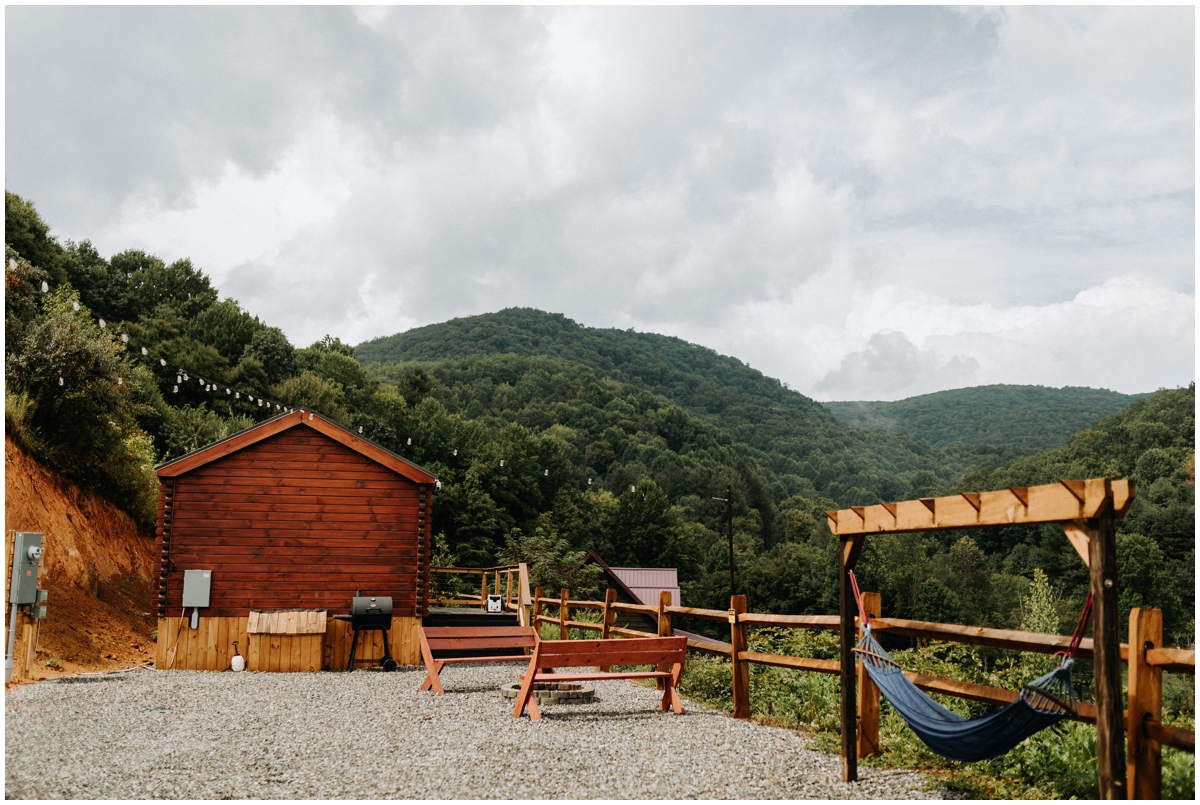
{"x":1030,"y":418}
{"x":795,"y":438}
{"x":544,"y":431}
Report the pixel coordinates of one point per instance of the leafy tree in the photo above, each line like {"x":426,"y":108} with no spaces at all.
{"x":225,"y":327}
{"x":939,"y":603}
{"x":270,"y":346}
{"x":30,"y":237}
{"x":969,"y":577}
{"x":553,"y":565}
{"x":310,"y":391}
{"x":189,"y":429}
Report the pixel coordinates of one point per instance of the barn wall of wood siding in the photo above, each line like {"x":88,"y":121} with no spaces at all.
{"x":210,"y":646}
{"x":296,"y":520}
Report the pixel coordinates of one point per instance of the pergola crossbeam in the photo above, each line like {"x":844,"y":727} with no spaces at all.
{"x":1063,"y":502}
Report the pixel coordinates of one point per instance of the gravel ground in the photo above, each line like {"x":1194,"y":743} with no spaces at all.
{"x":368,"y":735}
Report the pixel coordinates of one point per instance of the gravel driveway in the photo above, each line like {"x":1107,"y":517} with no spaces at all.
{"x":367,"y":735}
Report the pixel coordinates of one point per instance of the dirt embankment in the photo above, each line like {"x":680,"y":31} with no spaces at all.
{"x":97,"y":567}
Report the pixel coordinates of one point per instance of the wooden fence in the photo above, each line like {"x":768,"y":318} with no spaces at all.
{"x":1148,"y":659}
{"x":510,"y":581}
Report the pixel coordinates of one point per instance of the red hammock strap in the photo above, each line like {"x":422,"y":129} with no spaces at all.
{"x":1077,"y":638}
{"x":862,"y":613}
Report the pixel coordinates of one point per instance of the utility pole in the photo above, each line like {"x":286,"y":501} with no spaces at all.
{"x":728,"y":501}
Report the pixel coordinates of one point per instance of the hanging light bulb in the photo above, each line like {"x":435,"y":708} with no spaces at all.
{"x":237,"y":395}
{"x":547,"y":473}
{"x":103,"y":324}
{"x":144,"y":350}
{"x":227,"y":391}
{"x":260,"y":403}
{"x":456,"y":451}
{"x":60,"y":380}
{"x":162,"y":361}
{"x":501,"y":462}
{"x":310,"y":416}
{"x":185,"y":376}
{"x":437,"y":484}
{"x":45,"y":287}
{"x":76,"y":306}
{"x":409,"y":440}
{"x":120,"y":381}
{"x":124,"y":338}
{"x":360,"y":428}
{"x":178,"y":379}
{"x":250,"y":397}
{"x":174,"y":389}
{"x":632,"y":488}
{"x":12,"y":263}
{"x":589,"y":481}
{"x":201,"y":379}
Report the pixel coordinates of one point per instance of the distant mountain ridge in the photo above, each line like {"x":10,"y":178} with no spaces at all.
{"x":1032,"y":418}
{"x":797,"y":438}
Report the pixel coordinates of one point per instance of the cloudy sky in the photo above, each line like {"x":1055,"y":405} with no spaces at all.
{"x":865,"y":203}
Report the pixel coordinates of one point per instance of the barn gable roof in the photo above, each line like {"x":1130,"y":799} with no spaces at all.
{"x":308,"y":419}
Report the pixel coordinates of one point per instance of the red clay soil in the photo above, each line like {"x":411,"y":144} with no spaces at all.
{"x":96,"y":566}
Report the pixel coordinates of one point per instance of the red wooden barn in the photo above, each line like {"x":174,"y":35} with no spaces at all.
{"x":297,"y":513}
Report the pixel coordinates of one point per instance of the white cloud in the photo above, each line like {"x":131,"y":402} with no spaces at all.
{"x":824,"y":193}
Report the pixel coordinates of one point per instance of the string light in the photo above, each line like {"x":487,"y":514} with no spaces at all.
{"x":360,"y":428}
{"x":409,"y":440}
{"x":589,"y":481}
{"x":501,"y":462}
{"x":237,"y":395}
{"x":547,"y":472}
{"x":162,"y":361}
{"x":45,"y":287}
{"x":124,"y":338}
{"x":60,"y":380}
{"x":632,"y":488}
{"x":76,"y":306}
{"x":310,"y":416}
{"x":119,"y":381}
{"x":102,"y":324}
{"x":178,"y":379}
{"x":174,"y":389}
{"x":456,"y":451}
{"x":12,"y":263}
{"x":145,"y":351}
{"x":227,"y":391}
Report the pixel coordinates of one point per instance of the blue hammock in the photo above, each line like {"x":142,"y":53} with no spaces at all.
{"x":1043,"y":702}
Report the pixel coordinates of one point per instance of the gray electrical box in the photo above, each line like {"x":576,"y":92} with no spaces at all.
{"x":196,"y":584}
{"x":27,"y":556}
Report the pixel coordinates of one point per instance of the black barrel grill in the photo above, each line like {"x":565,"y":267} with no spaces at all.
{"x":366,"y":614}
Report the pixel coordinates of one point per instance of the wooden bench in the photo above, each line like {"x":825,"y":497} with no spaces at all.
{"x":551,"y":654}
{"x":471,"y":639}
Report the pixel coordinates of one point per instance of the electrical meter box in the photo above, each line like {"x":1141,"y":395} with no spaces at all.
{"x":27,"y":556}
{"x":196,"y":584}
{"x":495,"y":603}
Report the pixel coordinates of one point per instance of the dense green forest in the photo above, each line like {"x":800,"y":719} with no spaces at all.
{"x":602,"y":439}
{"x":1031,"y":418}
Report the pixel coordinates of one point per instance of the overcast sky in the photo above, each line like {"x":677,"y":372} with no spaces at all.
{"x":865,"y":203}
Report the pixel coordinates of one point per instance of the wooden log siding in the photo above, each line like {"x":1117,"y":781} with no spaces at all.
{"x":294,"y":520}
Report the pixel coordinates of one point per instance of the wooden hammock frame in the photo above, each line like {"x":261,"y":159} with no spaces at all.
{"x":1086,"y":511}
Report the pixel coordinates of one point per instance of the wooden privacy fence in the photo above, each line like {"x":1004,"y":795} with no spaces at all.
{"x":1147,"y":660}
{"x":510,"y":581}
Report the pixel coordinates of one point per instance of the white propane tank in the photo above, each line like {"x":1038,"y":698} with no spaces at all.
{"x":238,"y":664}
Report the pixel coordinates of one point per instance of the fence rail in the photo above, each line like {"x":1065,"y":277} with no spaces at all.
{"x":1169,"y":659}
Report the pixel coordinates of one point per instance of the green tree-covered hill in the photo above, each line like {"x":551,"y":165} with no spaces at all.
{"x":808,"y":449}
{"x":1028,"y":418}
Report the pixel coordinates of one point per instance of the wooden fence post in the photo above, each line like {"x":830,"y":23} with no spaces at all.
{"x":851,"y":547}
{"x":564,"y":615}
{"x":606,"y":618}
{"x":868,"y":694}
{"x":1110,"y":738}
{"x":664,"y":629}
{"x":1145,"y":703}
{"x":483,"y":590}
{"x":537,"y":609}
{"x":741,"y":669}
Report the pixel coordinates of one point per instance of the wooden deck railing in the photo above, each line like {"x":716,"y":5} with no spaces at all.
{"x":1145,"y":666}
{"x":515,"y":588}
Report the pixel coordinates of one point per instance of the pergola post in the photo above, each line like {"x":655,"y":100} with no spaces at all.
{"x":1110,"y":734}
{"x":848,"y":557}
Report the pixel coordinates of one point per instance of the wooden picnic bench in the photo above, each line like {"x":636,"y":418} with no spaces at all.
{"x":472,"y":640}
{"x":551,"y":654}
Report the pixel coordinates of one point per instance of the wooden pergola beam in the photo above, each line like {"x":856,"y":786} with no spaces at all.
{"x":1065,"y":501}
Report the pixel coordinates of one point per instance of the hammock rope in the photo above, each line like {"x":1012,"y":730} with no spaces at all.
{"x":1041,"y":703}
